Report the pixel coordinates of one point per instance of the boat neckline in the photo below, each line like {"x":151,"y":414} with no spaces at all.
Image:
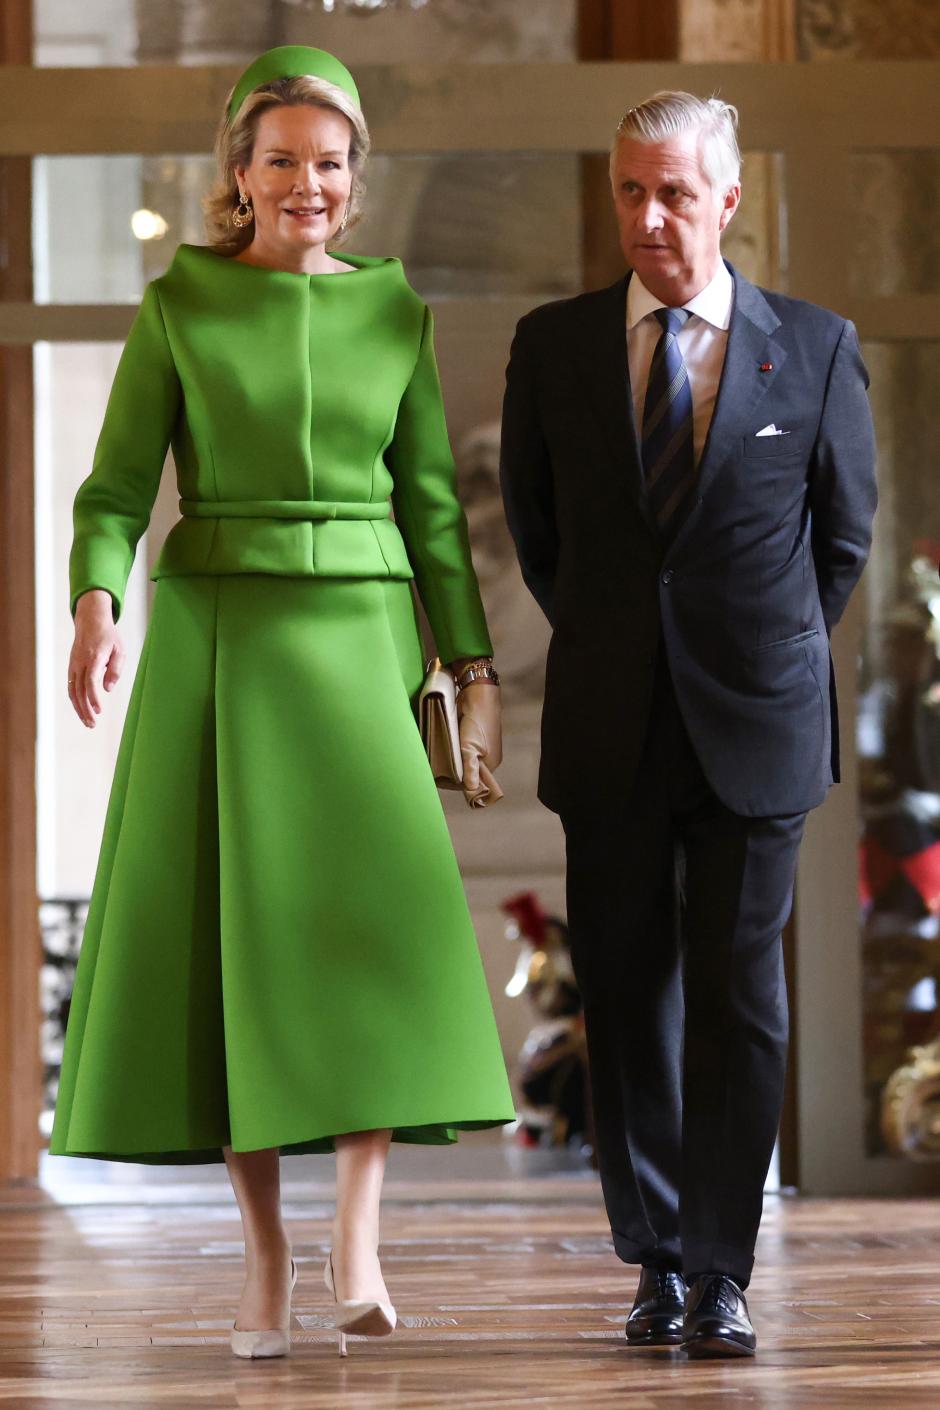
{"x":362,"y":264}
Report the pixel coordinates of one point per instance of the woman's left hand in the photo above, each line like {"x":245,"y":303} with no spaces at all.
{"x":481,"y":741}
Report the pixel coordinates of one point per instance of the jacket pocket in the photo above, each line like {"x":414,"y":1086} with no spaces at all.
{"x":788,"y":640}
{"x":766,"y":447}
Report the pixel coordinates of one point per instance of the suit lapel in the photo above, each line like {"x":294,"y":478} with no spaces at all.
{"x":742,"y":386}
{"x":601,"y":359}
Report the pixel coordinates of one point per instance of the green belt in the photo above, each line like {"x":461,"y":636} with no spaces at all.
{"x":282,"y":509}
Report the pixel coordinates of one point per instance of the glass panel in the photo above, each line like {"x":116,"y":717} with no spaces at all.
{"x":897,"y":239}
{"x":86,"y":211}
{"x":899,"y":759}
{"x":93,"y":34}
{"x":756,"y":240}
{"x":83,"y":247}
{"x":483,"y":223}
{"x":463,"y":224}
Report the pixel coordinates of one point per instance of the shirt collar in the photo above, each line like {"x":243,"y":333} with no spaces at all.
{"x":713,"y":303}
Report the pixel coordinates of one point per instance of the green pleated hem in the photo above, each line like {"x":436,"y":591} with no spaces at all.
{"x":432,"y":1135}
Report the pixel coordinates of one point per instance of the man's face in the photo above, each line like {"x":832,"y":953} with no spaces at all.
{"x":669,"y":217}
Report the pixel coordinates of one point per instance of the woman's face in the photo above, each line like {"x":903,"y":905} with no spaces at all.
{"x":299,"y":177}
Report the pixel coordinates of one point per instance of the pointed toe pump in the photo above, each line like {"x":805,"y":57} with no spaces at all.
{"x":361,"y":1319}
{"x":274,"y":1342}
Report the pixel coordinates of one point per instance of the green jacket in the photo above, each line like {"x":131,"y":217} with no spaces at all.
{"x":301,"y":409}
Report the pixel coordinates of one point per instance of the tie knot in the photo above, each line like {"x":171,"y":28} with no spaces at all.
{"x":672,"y":319}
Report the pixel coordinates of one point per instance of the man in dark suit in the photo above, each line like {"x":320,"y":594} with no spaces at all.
{"x":688,"y":472}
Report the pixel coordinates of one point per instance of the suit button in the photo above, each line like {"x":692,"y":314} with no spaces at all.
{"x":668,"y":576}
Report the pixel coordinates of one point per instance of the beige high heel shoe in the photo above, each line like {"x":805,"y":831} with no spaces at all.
{"x":275,"y":1342}
{"x":361,"y":1319}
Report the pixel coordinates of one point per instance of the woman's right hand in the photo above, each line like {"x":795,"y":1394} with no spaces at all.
{"x":97,"y":656}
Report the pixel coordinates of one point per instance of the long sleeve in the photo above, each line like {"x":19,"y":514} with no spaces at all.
{"x":526,"y":479}
{"x":843,"y":492}
{"x":113,"y":505}
{"x":429,"y":514}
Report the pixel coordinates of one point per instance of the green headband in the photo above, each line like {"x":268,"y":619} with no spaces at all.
{"x":291,"y":61}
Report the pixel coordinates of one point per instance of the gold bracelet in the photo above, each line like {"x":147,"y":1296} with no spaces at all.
{"x":482,"y":670}
{"x":471,"y":661}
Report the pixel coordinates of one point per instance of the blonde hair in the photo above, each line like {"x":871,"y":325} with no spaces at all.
{"x":668,"y":113}
{"x":235,"y":142}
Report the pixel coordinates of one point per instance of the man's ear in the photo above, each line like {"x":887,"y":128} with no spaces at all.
{"x":731,"y":202}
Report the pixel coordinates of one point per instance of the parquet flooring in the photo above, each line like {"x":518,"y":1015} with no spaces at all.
{"x":508,"y":1292}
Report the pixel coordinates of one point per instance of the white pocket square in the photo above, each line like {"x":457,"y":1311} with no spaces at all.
{"x":771,"y":430}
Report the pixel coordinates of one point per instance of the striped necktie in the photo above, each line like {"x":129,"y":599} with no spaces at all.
{"x":668,"y":450}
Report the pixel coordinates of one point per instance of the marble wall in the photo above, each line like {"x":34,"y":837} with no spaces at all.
{"x":444,"y":31}
{"x":488,"y":31}
{"x":867,"y":29}
{"x":225,"y":31}
{"x":735,"y":30}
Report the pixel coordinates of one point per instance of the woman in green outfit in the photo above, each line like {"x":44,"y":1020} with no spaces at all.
{"x":278,"y":955}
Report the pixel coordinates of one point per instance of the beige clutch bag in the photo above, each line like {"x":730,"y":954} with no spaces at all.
{"x":437,"y":717}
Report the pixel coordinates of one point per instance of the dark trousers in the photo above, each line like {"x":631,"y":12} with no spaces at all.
{"x":675,"y":909}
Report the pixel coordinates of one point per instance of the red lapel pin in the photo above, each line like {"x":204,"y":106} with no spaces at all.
{"x":766,"y":367}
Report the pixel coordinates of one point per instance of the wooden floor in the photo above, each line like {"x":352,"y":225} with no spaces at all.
{"x":508,"y":1292}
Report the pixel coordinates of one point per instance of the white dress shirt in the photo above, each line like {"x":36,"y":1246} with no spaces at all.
{"x":703,"y":341}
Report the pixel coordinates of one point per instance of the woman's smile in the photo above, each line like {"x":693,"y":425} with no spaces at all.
{"x":305,"y":213}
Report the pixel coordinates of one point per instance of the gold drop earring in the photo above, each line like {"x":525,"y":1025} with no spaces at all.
{"x":243,"y":213}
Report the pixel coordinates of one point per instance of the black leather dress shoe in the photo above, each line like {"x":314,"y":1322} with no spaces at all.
{"x":656,"y":1319}
{"x":716,"y":1321}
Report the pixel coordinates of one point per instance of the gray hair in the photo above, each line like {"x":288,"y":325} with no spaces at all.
{"x":667,"y":114}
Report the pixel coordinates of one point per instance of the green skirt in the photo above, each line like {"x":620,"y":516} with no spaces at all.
{"x":278,"y":948}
